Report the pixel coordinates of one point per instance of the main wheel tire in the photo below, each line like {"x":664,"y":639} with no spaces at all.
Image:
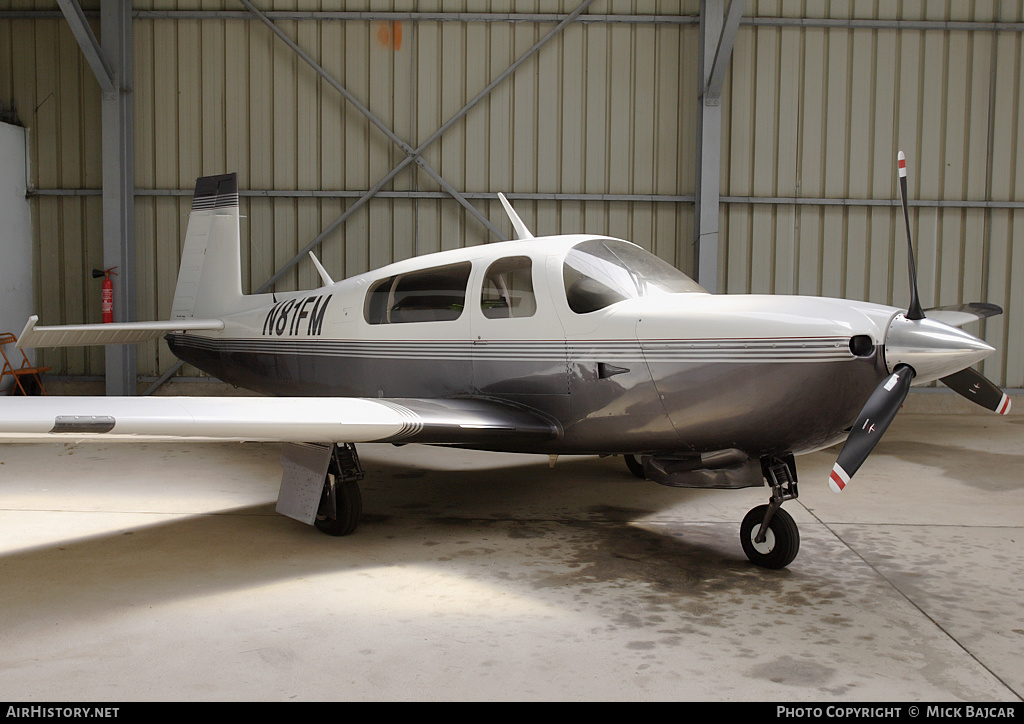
{"x":349,"y":504}
{"x":635,"y":466}
{"x":782,"y":541}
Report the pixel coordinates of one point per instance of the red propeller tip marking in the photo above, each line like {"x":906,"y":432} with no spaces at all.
{"x":838,"y":479}
{"x":1004,"y":405}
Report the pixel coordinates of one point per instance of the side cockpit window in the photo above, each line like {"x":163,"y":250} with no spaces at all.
{"x":507,"y":290}
{"x":426,"y":295}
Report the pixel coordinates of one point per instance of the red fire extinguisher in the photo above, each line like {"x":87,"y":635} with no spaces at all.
{"x":107,"y":298}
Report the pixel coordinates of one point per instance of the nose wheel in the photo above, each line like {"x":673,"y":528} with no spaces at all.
{"x":768,"y":534}
{"x":780,"y":542}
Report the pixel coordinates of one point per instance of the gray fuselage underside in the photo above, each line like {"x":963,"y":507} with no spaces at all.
{"x":609,"y":398}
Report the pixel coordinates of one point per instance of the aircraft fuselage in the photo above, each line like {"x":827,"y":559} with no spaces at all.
{"x":686,"y":371}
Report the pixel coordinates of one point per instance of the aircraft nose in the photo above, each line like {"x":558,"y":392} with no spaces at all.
{"x":932,"y":348}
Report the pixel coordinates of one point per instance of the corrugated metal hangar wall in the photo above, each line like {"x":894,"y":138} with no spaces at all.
{"x":587,"y":125}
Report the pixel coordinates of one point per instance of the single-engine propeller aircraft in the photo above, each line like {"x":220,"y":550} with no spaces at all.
{"x":557,"y":345}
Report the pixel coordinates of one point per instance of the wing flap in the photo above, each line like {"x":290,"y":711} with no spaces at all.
{"x":78,"y":335}
{"x":267,"y":419}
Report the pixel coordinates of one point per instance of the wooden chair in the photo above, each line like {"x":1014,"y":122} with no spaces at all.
{"x":26,"y":368}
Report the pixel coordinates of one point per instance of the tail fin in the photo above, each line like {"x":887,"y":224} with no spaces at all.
{"x":210,"y":277}
{"x":209,"y":281}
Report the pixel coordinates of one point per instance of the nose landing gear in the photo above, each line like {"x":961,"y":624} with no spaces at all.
{"x":768,"y":533}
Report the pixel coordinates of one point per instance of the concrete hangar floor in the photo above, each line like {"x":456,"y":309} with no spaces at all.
{"x":162,"y":572}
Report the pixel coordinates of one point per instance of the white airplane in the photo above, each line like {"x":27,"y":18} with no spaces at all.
{"x":557,"y":345}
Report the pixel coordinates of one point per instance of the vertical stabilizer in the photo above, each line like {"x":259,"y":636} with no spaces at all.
{"x":210,"y":276}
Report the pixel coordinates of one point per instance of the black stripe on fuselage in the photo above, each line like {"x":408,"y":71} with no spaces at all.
{"x":812,"y":349}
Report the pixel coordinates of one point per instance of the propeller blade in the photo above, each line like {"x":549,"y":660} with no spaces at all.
{"x":957,"y":315}
{"x":872,"y":423}
{"x":976,"y":388}
{"x":914,"y":311}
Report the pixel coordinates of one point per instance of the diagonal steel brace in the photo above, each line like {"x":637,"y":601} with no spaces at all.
{"x":409,"y":150}
{"x":413,"y":155}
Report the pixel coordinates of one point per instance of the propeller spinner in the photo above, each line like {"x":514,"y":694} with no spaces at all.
{"x":916,"y":348}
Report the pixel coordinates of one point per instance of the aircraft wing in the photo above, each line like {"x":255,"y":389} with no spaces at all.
{"x":268,"y":419}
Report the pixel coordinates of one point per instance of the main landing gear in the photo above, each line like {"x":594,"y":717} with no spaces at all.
{"x":341,"y":503}
{"x":768,"y":533}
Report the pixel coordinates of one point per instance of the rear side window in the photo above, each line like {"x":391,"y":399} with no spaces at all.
{"x":427,"y":295}
{"x":507,"y":290}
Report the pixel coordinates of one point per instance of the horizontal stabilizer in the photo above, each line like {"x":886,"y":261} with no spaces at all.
{"x":79,"y":335}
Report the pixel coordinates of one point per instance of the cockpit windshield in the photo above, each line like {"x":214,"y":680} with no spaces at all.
{"x":600,"y":272}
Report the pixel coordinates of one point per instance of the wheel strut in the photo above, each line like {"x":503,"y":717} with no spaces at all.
{"x":781,"y":476}
{"x":341,"y":503}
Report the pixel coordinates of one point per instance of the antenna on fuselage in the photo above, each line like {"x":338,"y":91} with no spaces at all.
{"x":521,"y":231}
{"x":320,"y":270}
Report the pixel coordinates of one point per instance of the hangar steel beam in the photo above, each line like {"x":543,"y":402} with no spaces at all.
{"x":717,"y":35}
{"x":723,"y":51}
{"x":111,"y":63}
{"x":91,"y":49}
{"x":119,"y":187}
{"x":552,"y":196}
